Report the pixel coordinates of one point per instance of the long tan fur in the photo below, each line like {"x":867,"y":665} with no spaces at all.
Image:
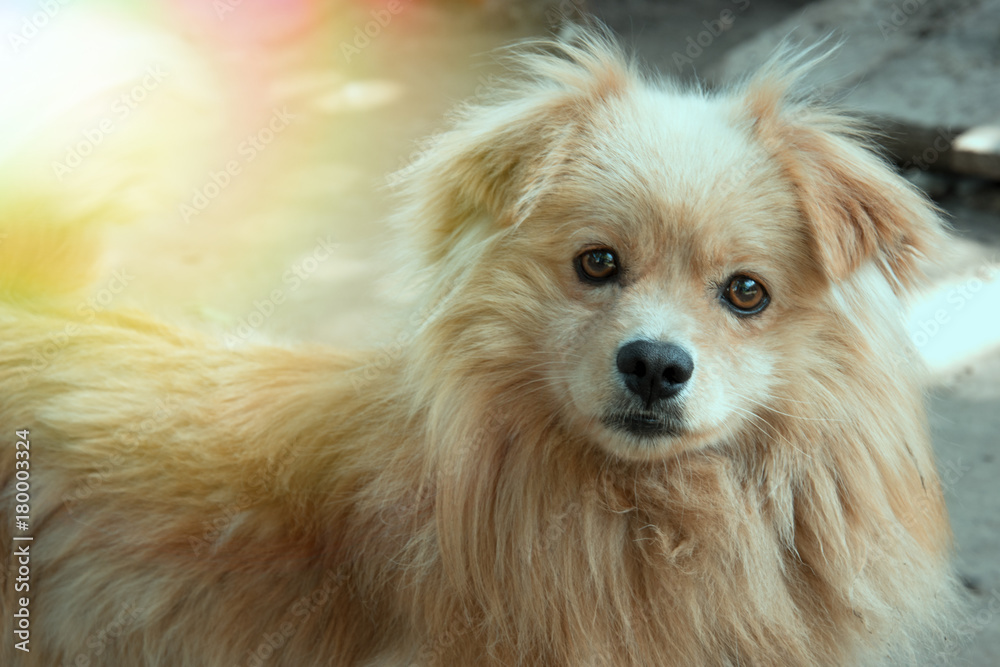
{"x":451,"y":501}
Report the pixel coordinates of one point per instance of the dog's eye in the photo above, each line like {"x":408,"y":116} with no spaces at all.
{"x":598,"y":265}
{"x":745,"y":295}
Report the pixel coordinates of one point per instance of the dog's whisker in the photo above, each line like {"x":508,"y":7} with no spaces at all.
{"x":759,"y":422}
{"x":765,"y":406}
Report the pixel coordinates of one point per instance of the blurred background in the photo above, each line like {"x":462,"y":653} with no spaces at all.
{"x":248,"y":147}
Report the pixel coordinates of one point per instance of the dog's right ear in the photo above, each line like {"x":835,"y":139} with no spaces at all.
{"x":498,"y":156}
{"x":858,"y":209}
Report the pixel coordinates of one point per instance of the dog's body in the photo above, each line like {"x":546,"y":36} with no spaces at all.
{"x":491,"y":491}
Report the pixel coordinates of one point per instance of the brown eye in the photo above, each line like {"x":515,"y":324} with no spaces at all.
{"x":745,"y":295}
{"x":597,"y":266}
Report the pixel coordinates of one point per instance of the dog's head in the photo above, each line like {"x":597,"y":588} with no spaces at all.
{"x":655,"y":264}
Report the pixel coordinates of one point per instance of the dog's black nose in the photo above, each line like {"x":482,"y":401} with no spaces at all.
{"x":654,"y":370}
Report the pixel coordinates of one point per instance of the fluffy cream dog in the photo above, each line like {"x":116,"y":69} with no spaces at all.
{"x":657,"y":410}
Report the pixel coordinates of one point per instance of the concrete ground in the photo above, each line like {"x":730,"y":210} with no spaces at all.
{"x":360,"y":102}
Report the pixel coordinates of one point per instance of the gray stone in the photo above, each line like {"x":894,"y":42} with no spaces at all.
{"x":925,"y":71}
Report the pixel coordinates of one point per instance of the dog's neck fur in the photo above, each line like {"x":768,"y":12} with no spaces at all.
{"x":744,"y":535}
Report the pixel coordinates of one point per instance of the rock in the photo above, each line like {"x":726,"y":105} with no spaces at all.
{"x":925,"y":71}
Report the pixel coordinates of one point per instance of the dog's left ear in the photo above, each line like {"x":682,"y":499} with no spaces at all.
{"x":487,"y":171}
{"x":479,"y":173}
{"x":857,"y":208}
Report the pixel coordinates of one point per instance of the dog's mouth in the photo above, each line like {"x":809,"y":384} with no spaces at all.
{"x":643,"y":424}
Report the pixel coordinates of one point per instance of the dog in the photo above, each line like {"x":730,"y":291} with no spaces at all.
{"x":656,"y":406}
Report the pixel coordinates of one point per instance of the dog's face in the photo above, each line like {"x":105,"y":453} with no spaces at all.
{"x":659,"y":264}
{"x":681,"y":265}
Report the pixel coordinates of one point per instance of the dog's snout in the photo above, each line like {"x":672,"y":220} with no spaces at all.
{"x":654,"y":370}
